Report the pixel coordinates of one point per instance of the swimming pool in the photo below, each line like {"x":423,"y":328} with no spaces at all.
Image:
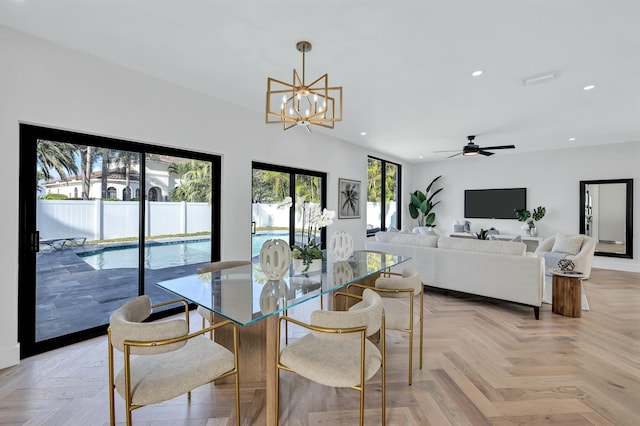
{"x":257,"y":240}
{"x":156,"y":256}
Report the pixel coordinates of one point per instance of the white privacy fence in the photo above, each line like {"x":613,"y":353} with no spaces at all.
{"x":104,"y":220}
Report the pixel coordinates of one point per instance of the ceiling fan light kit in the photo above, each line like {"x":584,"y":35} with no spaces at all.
{"x":303,"y":104}
{"x":471,"y":149}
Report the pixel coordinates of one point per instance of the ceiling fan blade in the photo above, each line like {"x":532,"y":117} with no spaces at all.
{"x":482,"y":152}
{"x":454,"y":155}
{"x":498,"y":147}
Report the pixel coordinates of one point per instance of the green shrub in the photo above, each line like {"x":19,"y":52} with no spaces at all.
{"x":54,"y":197}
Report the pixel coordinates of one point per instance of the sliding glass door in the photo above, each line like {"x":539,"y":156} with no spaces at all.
{"x":272,"y":216}
{"x":383,"y":195}
{"x":102,"y":220}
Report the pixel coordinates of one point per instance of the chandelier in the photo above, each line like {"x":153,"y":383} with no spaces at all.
{"x":302,"y":104}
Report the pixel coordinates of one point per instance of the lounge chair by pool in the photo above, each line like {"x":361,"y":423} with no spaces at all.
{"x":60,"y":243}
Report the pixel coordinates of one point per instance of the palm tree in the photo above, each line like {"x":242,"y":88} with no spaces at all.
{"x":56,"y":156}
{"x":127,"y":159}
{"x":195,"y":181}
{"x":88,"y":156}
{"x":106,"y":156}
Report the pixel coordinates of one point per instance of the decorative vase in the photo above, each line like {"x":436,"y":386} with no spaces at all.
{"x":273,"y":296}
{"x":299,"y":266}
{"x":341,"y":245}
{"x":342,"y":273}
{"x":275,"y":257}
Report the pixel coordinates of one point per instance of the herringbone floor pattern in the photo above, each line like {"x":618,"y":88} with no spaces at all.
{"x":485,"y":363}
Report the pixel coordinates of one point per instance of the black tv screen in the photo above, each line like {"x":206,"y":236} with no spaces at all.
{"x":494,"y":203}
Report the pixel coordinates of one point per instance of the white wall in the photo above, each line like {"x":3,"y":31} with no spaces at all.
{"x":48,"y":85}
{"x":552,"y":180}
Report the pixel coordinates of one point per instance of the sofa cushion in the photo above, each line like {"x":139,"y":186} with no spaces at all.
{"x":567,"y":244}
{"x":385,"y":237}
{"x":405,"y":239}
{"x":416,"y":240}
{"x":487,"y":246}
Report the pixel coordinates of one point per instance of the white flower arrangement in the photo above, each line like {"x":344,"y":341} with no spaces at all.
{"x":313,"y":219}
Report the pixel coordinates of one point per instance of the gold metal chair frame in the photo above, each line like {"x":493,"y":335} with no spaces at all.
{"x":363,"y":336}
{"x":410,"y":329}
{"x":127,"y":361}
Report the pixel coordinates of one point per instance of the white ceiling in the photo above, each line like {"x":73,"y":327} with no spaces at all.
{"x":405,"y":65}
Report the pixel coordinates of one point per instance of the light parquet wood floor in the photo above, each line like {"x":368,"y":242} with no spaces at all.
{"x":485,"y":363}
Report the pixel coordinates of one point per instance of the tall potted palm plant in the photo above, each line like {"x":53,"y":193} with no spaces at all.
{"x":422,"y":204}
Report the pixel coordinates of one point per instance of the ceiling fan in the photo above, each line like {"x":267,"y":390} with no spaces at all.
{"x":473,"y":149}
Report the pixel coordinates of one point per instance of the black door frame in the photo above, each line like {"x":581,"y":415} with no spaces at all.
{"x":29,"y":241}
{"x":292,"y":171}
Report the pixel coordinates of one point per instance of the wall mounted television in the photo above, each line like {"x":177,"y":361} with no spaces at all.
{"x":494,"y":203}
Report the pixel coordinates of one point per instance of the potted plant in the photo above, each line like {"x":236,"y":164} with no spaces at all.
{"x":308,"y":255}
{"x":530,"y":217}
{"x":422,"y":204}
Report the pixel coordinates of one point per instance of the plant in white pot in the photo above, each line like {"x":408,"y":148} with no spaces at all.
{"x":309,"y":253}
{"x":530,"y":217}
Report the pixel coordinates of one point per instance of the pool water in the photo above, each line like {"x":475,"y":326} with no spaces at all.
{"x":157,"y":255}
{"x":257,"y":240}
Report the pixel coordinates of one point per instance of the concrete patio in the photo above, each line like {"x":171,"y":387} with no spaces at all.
{"x":72,"y":296}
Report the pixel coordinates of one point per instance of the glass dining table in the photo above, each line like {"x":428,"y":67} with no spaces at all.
{"x":247,"y":297}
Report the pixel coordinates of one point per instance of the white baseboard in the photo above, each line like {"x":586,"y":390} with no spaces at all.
{"x":10,"y":356}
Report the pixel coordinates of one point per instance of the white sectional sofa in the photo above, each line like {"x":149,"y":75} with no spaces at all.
{"x":497,"y":269}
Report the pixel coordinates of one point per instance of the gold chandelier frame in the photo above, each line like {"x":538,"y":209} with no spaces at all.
{"x":302,"y":104}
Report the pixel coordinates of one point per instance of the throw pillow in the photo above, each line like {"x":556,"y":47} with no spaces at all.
{"x":567,"y":244}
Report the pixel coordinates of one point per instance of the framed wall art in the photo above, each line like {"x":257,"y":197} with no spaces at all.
{"x":348,"y":199}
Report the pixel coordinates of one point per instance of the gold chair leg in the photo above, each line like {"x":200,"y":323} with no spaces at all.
{"x":112,"y":407}
{"x":411,"y":303}
{"x":421,"y":323}
{"x":383,"y":348}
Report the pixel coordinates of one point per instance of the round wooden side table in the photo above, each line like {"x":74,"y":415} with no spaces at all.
{"x":567,"y":293}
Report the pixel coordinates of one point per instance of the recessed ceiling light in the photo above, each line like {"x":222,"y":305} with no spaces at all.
{"x":363,"y":133}
{"x":589,"y":87}
{"x":477,"y":73}
{"x":572,"y":139}
{"x":420,"y":156}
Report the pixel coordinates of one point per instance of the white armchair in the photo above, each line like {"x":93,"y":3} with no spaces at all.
{"x":577,"y":248}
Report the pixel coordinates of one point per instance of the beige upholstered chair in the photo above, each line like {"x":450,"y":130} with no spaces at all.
{"x":161,"y":359}
{"x":207,"y":315}
{"x":577,"y":248}
{"x":398,"y":292}
{"x":337,"y":352}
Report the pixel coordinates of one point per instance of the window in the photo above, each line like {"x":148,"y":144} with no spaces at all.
{"x":111,"y":192}
{"x":383,"y":195}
